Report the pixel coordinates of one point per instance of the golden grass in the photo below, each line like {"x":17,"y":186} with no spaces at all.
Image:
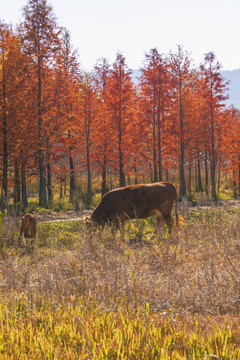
{"x":91,"y":295}
{"x":77,"y":331}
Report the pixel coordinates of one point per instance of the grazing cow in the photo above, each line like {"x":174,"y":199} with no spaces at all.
{"x":137,"y":202}
{"x":28,"y":228}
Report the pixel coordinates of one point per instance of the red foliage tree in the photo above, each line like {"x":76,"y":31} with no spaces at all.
{"x":155,"y":100}
{"x":214,"y":95}
{"x":120,"y":105}
{"x":182,"y":76}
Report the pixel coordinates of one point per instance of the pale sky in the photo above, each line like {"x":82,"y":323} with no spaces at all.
{"x":102,"y":28}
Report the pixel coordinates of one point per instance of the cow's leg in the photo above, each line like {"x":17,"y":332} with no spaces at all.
{"x":160,"y":220}
{"x":122,"y":231}
{"x":29,"y":244}
{"x":113,"y":230}
{"x":20,"y":239}
{"x":32,"y":243}
{"x":27,"y":239}
{"x":33,"y":238}
{"x":119,"y":225}
{"x":169,"y":222}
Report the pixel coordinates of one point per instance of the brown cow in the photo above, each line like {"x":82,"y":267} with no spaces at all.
{"x":137,"y":202}
{"x":28,"y":228}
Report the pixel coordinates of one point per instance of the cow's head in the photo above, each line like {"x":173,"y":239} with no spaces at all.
{"x":88,"y":222}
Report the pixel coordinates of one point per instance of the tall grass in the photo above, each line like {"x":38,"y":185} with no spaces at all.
{"x":78,"y":331}
{"x":90,"y":294}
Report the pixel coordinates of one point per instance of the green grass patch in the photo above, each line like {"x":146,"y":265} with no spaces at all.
{"x":58,"y":233}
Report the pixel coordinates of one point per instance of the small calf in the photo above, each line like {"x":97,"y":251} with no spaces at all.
{"x":28,"y":228}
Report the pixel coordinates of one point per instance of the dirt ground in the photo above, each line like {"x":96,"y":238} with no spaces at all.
{"x":63,"y":216}
{"x":183,"y":207}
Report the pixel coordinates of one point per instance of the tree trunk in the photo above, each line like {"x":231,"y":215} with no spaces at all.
{"x":122,"y":181}
{"x":122,"y":175}
{"x":213,"y":177}
{"x":160,"y":156}
{"x":200,"y":188}
{"x":212,"y":158}
{"x":49,"y":183}
{"x":196,"y":176}
{"x":61,"y":189}
{"x":183,"y":192}
{"x":24,"y":185}
{"x":206,"y":173}
{"x":49,"y":174}
{"x":160,"y":173}
{"x":17,"y":191}
{"x":234,"y":185}
{"x":155,"y":172}
{"x":151,"y":172}
{"x":72,"y":179}
{"x":89,"y":176}
{"x":42,"y":184}
{"x":190,"y":178}
{"x":5,"y":140}
{"x":65,"y":185}
{"x":104,"y":172}
{"x":219,"y":180}
{"x":135,"y":178}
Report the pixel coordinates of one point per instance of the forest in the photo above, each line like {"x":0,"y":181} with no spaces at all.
{"x":65,"y":131}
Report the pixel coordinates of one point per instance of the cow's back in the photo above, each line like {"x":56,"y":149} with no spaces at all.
{"x":142,"y":201}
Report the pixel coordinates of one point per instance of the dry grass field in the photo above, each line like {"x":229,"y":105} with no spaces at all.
{"x":93,"y":295}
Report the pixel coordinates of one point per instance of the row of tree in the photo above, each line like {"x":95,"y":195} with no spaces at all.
{"x":58,"y":121}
